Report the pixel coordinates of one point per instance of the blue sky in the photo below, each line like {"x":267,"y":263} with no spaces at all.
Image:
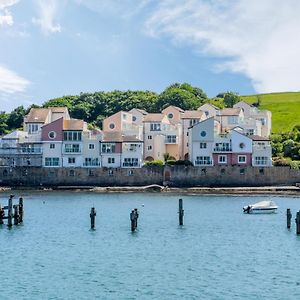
{"x":50,"y":48}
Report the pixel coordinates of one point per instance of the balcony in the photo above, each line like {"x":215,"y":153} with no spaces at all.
{"x":91,"y":164}
{"x":223,"y":149}
{"x":37,"y":150}
{"x":203,"y":163}
{"x":128,"y":165}
{"x":262,"y":148}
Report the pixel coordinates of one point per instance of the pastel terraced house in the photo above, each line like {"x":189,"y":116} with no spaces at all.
{"x":211,"y":146}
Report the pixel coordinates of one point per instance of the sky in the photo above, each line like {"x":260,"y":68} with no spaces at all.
{"x":51,"y":48}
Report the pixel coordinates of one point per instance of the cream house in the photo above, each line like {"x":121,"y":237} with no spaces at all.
{"x":262,"y":117}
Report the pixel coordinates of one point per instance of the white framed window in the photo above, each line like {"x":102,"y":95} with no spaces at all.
{"x":110,"y":172}
{"x":72,"y":148}
{"x":130,"y":162}
{"x":51,"y":161}
{"x":91,"y":146}
{"x":261,"y":160}
{"x":203,"y":145}
{"x":111,"y":160}
{"x":149,"y":147}
{"x":222,"y":159}
{"x":149,"y":137}
{"x":33,"y":128}
{"x":242,"y":159}
{"x":71,"y":160}
{"x":52,"y":146}
{"x":72,"y":135}
{"x":108,"y":148}
{"x":155,"y":127}
{"x":203,"y":160}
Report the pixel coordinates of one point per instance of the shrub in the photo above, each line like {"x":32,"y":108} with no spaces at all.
{"x":183,"y":163}
{"x":154,"y":163}
{"x":171,"y":162}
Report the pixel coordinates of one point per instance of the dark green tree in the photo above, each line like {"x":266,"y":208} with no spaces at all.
{"x":15,"y":118}
{"x":231,"y":98}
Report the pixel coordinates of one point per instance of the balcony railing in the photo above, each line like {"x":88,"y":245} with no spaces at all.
{"x":136,"y":164}
{"x":91,"y":164}
{"x":203,"y":163}
{"x":32,"y":150}
{"x":20,"y":151}
{"x":222,"y":149}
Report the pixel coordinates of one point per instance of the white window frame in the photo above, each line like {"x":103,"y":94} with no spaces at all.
{"x":242,"y":156}
{"x":203,"y":145}
{"x":220,"y":159}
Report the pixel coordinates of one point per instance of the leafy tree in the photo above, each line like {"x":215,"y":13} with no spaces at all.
{"x":3,"y":124}
{"x":15,"y":118}
{"x":231,"y":98}
{"x":182,"y":95}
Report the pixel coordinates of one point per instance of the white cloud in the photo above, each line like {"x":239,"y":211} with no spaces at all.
{"x":10,"y":82}
{"x":6,"y":17}
{"x":257,"y":38}
{"x":48,"y":11}
{"x":120,"y":8}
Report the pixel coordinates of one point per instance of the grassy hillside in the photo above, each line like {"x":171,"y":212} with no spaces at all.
{"x":285,"y":108}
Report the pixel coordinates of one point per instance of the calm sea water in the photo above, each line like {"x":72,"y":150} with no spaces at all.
{"x":219,"y":253}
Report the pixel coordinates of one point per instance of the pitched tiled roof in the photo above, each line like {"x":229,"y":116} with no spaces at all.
{"x":176,"y":107}
{"x":119,"y":137}
{"x":140,"y":110}
{"x":154,"y":117}
{"x":192,"y":114}
{"x":73,"y":124}
{"x":37,"y":115}
{"x":230,"y":111}
{"x":258,"y":138}
{"x":59,"y":109}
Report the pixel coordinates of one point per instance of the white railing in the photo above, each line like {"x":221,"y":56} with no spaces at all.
{"x":223,"y":149}
{"x":203,"y":163}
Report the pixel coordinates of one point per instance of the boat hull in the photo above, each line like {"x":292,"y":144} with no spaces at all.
{"x":262,"y":211}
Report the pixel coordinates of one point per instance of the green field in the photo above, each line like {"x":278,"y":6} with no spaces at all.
{"x":285,"y":108}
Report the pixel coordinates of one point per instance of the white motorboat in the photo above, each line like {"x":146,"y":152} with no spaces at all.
{"x":262,"y":207}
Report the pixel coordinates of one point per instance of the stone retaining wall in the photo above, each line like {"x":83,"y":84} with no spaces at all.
{"x":177,"y":176}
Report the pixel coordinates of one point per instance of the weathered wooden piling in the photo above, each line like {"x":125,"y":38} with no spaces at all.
{"x":133,"y":218}
{"x":16,"y":214}
{"x":181,"y":212}
{"x":10,"y":211}
{"x":1,"y":215}
{"x":136,"y":217}
{"x":93,"y":217}
{"x":298,"y":222}
{"x":21,"y":210}
{"x":288,"y":218}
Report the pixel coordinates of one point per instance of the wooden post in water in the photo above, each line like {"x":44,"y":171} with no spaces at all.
{"x":133,"y":218}
{"x":93,"y":217}
{"x":288,"y":218}
{"x":1,"y":215}
{"x":136,"y":217}
{"x":21,"y":210}
{"x":298,"y":222}
{"x":16,"y":214}
{"x":181,"y":212}
{"x":10,"y":211}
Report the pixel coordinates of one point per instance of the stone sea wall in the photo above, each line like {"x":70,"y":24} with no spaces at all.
{"x":173,"y":176}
